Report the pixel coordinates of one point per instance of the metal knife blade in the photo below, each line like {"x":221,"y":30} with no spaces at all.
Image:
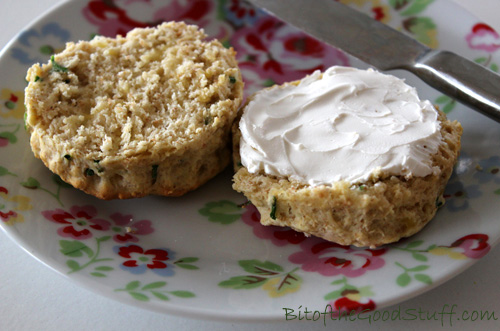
{"x":385,"y":48}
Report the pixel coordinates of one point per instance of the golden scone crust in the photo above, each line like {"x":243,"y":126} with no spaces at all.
{"x":378,"y":212}
{"x":148,"y":113}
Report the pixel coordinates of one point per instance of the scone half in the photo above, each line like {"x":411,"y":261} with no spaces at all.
{"x":148,"y":113}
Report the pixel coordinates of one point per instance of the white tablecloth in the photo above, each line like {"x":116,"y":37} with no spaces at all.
{"x":32,"y":297}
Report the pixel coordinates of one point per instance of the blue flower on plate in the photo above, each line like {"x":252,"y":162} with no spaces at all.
{"x":36,"y":45}
{"x":489,"y":170}
{"x":457,"y":194}
{"x":240,"y":13}
{"x":139,"y":260}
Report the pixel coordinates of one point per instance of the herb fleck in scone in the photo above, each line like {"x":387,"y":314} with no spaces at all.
{"x":351,"y":156}
{"x":148,"y":113}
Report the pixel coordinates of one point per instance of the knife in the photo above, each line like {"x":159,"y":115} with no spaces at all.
{"x":385,"y":48}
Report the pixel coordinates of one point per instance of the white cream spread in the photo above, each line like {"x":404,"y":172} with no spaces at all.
{"x":345,"y":124}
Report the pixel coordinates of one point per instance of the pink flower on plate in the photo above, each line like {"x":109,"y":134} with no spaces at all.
{"x":4,"y":142}
{"x":121,"y":16}
{"x":474,"y":246}
{"x":279,"y":236}
{"x":483,"y":37}
{"x":127,"y":229}
{"x":317,"y":255}
{"x":79,"y":223}
{"x":330,"y":259}
{"x":272,"y":52}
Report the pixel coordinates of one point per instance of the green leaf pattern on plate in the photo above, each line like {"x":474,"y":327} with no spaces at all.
{"x":155,"y":289}
{"x":266,"y":274}
{"x":78,"y":249}
{"x":223,"y":211}
{"x":405,"y":278}
{"x":34,"y":184}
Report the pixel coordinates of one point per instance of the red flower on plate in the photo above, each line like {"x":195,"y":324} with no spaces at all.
{"x":483,"y":37}
{"x":121,"y":16}
{"x":346,"y":306}
{"x":79,"y":223}
{"x":139,"y":260}
{"x":272,"y":52}
{"x":349,"y":299}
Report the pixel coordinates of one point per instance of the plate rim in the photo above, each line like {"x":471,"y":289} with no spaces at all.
{"x":172,"y":308}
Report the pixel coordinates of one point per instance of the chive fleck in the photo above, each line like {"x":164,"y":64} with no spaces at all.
{"x":439,"y":201}
{"x":154,"y":173}
{"x":56,"y":66}
{"x":37,"y":78}
{"x":67,"y":157}
{"x":98,"y":166}
{"x":273,"y":209}
{"x":226,"y":43}
{"x":89,"y":172}
{"x":362,"y":187}
{"x":232,"y":79}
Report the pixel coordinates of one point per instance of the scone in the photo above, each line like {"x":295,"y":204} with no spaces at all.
{"x":148,"y":113}
{"x":352,"y":156}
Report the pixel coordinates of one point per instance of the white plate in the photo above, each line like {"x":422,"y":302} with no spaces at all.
{"x":201,"y":255}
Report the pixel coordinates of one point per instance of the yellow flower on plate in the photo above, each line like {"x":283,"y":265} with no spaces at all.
{"x":10,"y":216}
{"x":354,"y":296}
{"x":276,"y":288}
{"x":448,"y":251}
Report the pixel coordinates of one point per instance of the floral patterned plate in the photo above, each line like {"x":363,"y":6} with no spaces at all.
{"x":203,"y":255}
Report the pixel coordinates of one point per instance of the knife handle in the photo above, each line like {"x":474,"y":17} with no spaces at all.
{"x":464,"y":80}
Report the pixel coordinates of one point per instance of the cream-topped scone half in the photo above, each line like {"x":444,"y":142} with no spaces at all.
{"x":352,"y":156}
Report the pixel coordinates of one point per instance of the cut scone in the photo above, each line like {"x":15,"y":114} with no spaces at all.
{"x":148,"y":113}
{"x":351,"y":156}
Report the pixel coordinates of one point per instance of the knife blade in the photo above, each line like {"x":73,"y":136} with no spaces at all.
{"x":386,"y":49}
